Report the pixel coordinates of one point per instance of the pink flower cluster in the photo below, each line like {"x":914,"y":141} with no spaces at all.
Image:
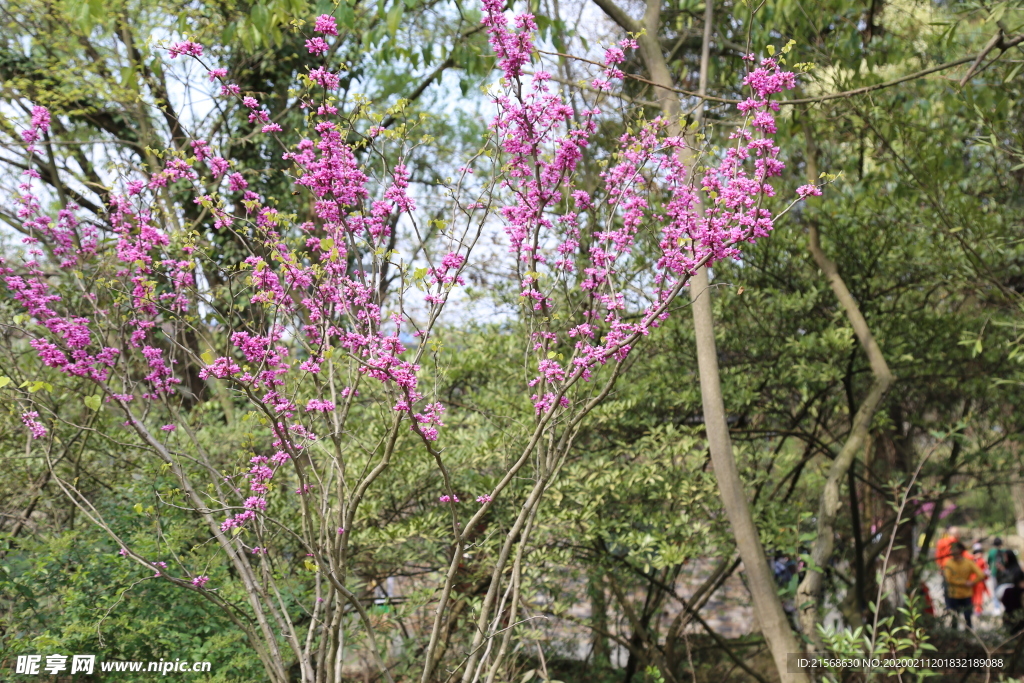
{"x":544,"y":143}
{"x":38,"y":127}
{"x":326,"y":25}
{"x":613,"y":56}
{"x":35,"y":427}
{"x":186,"y":48}
{"x":69,"y":350}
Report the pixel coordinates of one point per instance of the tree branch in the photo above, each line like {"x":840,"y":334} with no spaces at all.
{"x":809,"y":590}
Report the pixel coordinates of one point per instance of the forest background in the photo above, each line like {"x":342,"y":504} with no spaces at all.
{"x":869,"y":349}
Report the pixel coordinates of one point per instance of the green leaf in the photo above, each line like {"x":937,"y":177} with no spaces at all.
{"x":97,"y":10}
{"x":1013,"y":74}
{"x":346,"y":17}
{"x":228,"y":34}
{"x":395,"y":18}
{"x":92,"y":402}
{"x":260,"y":17}
{"x":4,"y":381}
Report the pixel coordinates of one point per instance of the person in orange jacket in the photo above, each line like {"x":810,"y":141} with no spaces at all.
{"x":943,"y":548}
{"x":981,"y":588}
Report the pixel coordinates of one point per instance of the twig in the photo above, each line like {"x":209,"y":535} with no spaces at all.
{"x":991,"y":45}
{"x":996,"y":41}
{"x":892,"y":540}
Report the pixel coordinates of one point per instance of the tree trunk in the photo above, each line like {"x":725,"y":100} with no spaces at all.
{"x":1017,"y":493}
{"x":764,"y":593}
{"x":600,"y":653}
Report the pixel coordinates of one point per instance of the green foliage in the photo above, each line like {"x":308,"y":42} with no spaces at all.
{"x":73,"y":593}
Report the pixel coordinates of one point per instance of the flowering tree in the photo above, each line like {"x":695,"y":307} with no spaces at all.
{"x":327,"y":334}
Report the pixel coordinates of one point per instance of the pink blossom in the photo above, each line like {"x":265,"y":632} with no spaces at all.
{"x":614,"y":55}
{"x":255,"y":503}
{"x":30,"y":419}
{"x":805,"y":191}
{"x":317,"y":46}
{"x":765,"y":122}
{"x":220,"y":368}
{"x":41,"y":118}
{"x":324,"y":78}
{"x":218,"y":166}
{"x":186,"y":48}
{"x":319,"y":405}
{"x":237,"y":183}
{"x":200,"y":581}
{"x":310,"y":366}
{"x":201,"y":149}
{"x":326,"y":25}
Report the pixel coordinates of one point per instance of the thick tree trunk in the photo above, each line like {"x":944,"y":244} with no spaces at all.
{"x":1017,"y":493}
{"x":767,"y":606}
{"x":809,"y":590}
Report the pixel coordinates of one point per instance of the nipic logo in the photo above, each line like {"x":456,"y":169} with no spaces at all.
{"x":55,"y":664}
{"x":36,"y":665}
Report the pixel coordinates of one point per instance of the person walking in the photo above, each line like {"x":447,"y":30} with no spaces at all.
{"x":1002,"y":562}
{"x":942,"y":548}
{"x":1004,"y":570}
{"x":981,"y":589}
{"x":1012,"y":598}
{"x":961,"y":574}
{"x":943,"y":553}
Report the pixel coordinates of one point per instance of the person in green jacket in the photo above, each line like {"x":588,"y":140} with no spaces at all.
{"x":1002,"y":562}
